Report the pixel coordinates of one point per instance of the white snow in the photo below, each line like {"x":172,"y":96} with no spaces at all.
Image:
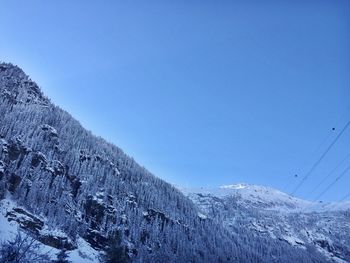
{"x":275,"y":199}
{"x":278,"y":213}
{"x":7,"y":229}
{"x":294,"y":241}
{"x":83,"y":254}
{"x":53,"y":232}
{"x":145,"y":213}
{"x":202,"y":216}
{"x":234,"y":186}
{"x":116,"y":171}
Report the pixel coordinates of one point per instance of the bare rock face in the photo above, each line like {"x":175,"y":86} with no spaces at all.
{"x":25,"y":220}
{"x":95,"y":239}
{"x":62,"y":243}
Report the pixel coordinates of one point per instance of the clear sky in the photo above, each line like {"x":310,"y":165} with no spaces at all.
{"x":202,"y":93}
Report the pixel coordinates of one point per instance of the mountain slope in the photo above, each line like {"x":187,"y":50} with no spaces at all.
{"x":62,"y":178}
{"x":67,"y":187}
{"x":272,"y":214}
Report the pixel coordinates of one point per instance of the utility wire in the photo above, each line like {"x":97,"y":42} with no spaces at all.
{"x":333,"y":183}
{"x":324,"y":179}
{"x":313,"y":153}
{"x":329,"y":134}
{"x":320,"y":159}
{"x":344,"y":198}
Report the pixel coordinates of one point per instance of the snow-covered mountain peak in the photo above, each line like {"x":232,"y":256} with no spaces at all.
{"x":263,"y":197}
{"x":253,"y":195}
{"x":272,"y":214}
{"x":253,"y":190}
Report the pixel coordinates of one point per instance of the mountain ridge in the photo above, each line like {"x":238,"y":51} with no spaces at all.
{"x":277,"y":215}
{"x":56,"y":177}
{"x":268,"y":194}
{"x":53,"y":168}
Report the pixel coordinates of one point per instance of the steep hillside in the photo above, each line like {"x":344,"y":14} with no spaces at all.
{"x":60,"y":176}
{"x":272,"y":214}
{"x":71,"y":190}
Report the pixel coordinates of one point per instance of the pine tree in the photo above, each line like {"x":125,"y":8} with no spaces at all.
{"x":115,"y":252}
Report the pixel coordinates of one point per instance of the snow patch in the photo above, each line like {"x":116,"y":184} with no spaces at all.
{"x":294,"y":241}
{"x":234,"y":186}
{"x":202,"y":216}
{"x":84,"y":254}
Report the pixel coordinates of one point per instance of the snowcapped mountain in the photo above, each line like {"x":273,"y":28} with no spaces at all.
{"x":71,"y":190}
{"x":256,"y":196}
{"x":270,"y":213}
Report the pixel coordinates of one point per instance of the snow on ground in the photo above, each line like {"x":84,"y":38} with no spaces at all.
{"x":294,"y":241}
{"x":202,"y":216}
{"x":83,"y":254}
{"x":283,"y":217}
{"x":7,"y":230}
{"x":323,"y":207}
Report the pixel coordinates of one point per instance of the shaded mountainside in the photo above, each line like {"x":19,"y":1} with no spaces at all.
{"x":65,"y":187}
{"x":271,"y":214}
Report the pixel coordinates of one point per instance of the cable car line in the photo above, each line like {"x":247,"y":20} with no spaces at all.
{"x":324,"y":179}
{"x":333,"y":183}
{"x":320,"y":159}
{"x":296,"y":175}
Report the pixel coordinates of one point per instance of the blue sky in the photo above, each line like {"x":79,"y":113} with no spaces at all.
{"x":202,"y":93}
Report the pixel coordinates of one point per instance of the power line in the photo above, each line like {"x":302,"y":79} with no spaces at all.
{"x":324,"y":179}
{"x":344,"y":198}
{"x":321,"y":158}
{"x":314,"y":152}
{"x":317,"y":149}
{"x":333,"y":183}
{"x":325,"y":140}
